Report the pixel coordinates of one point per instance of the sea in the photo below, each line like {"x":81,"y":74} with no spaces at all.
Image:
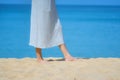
{"x":89,"y":31}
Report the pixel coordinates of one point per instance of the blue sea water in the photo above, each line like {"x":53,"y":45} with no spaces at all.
{"x":89,"y":31}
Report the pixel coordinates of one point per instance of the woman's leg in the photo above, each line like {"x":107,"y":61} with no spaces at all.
{"x":39,"y":55}
{"x":66,"y":54}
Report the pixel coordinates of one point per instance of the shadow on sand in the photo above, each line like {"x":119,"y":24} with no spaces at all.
{"x":63,"y":59}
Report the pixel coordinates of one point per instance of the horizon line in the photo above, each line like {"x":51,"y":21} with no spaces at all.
{"x":64,"y":5}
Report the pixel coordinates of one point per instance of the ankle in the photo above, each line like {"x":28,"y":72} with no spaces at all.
{"x":40,"y":59}
{"x":68,"y":56}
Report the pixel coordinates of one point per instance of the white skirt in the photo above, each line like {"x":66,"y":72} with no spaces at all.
{"x":45,"y":29}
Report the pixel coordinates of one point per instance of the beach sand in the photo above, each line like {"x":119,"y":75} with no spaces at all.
{"x":58,"y":69}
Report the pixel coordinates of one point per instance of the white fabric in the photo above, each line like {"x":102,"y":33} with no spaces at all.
{"x":46,"y":29}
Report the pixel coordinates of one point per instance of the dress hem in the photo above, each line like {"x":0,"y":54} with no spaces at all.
{"x":49,"y":46}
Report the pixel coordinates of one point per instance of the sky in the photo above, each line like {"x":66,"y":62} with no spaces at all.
{"x":67,"y":2}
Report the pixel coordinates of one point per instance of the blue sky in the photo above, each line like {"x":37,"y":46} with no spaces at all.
{"x":76,"y":2}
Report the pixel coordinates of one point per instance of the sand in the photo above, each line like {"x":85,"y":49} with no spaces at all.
{"x":58,"y":69}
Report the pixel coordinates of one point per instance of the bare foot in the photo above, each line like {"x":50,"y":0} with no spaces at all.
{"x":42,"y":61}
{"x":70,"y":59}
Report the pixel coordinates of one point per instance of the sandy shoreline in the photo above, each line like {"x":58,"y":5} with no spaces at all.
{"x":58,"y":69}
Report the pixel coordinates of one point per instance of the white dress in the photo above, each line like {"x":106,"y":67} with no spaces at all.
{"x":45,"y":29}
